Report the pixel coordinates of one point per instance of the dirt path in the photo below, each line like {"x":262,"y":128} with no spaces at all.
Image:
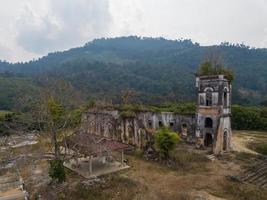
{"x":239,"y":143}
{"x":240,"y":140}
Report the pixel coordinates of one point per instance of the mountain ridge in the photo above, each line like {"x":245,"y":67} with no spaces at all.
{"x":158,"y":69}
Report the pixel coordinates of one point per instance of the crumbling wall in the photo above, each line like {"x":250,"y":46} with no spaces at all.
{"x":134,"y":130}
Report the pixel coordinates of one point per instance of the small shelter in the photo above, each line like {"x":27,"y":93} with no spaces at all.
{"x":93,"y":148}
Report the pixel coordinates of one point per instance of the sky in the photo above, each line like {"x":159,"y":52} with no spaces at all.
{"x":32,"y":28}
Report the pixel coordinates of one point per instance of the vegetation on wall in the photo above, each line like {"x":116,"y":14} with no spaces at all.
{"x":207,"y":68}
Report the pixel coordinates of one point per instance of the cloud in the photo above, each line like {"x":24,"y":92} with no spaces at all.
{"x":30,"y":28}
{"x":5,"y":52}
{"x":67,"y":23}
{"x":204,"y":21}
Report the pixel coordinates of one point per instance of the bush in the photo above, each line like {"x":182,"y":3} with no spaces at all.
{"x":249,"y":118}
{"x":57,"y":171}
{"x":166,"y":141}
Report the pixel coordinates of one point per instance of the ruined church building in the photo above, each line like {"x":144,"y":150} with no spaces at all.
{"x":210,"y":127}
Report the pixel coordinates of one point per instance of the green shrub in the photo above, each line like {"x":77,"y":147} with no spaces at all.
{"x":249,"y":118}
{"x":166,"y":141}
{"x":208,"y":68}
{"x":57,"y":171}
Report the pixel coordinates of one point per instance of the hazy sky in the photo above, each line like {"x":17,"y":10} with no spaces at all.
{"x":32,"y":28}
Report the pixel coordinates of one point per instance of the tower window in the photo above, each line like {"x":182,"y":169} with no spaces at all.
{"x":209,"y":97}
{"x":225,"y":103}
{"x":208,"y":123}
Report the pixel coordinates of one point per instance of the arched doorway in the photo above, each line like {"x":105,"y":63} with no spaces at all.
{"x":208,"y":140}
{"x":225,"y":140}
{"x":208,"y":123}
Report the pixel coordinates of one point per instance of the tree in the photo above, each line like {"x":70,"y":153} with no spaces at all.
{"x":56,"y":111}
{"x":56,"y":171}
{"x":166,"y":141}
{"x":128,"y":95}
{"x":56,"y":122}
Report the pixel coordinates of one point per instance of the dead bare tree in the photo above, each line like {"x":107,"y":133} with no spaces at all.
{"x":53,"y":112}
{"x":128,"y":95}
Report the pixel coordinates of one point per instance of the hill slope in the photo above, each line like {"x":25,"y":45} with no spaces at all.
{"x":159,"y":69}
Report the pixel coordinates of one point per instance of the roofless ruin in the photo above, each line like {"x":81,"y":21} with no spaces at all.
{"x":209,"y":127}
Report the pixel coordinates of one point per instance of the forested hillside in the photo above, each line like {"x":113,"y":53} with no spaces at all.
{"x":158,"y":70}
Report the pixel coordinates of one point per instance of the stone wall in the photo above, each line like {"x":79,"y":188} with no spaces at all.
{"x":136,"y":130}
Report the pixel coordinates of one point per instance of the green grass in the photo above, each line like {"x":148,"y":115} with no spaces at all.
{"x":4,"y":113}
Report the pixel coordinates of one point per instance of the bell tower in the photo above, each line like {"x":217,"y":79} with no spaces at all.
{"x":213,"y":113}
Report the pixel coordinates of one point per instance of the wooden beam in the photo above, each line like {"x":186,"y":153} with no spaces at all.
{"x":90,"y":164}
{"x":122,"y":156}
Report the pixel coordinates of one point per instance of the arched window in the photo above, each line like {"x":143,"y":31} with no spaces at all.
{"x":225,"y":99}
{"x":209,"y":97}
{"x":208,"y":123}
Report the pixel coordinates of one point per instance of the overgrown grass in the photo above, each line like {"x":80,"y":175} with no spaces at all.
{"x":188,"y":161}
{"x":243,"y":156}
{"x":259,"y":147}
{"x":117,"y":186}
{"x":234,"y":191}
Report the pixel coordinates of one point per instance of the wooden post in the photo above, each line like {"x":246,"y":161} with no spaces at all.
{"x":90,"y":165}
{"x":122,"y":157}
